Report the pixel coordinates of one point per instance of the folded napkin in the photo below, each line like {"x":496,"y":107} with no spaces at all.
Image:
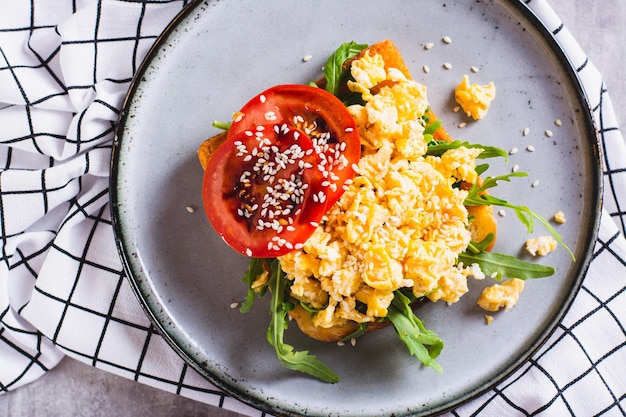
{"x":65,"y":67}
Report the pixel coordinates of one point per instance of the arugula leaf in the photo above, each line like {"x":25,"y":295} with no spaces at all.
{"x":439,"y":147}
{"x":222,"y":125}
{"x":497,"y":266}
{"x":432,"y":127}
{"x":279,"y":306}
{"x":255,"y":267}
{"x":333,"y":71}
{"x":476,"y":247}
{"x":478,"y":197}
{"x":358,"y":332}
{"x":422,"y":343}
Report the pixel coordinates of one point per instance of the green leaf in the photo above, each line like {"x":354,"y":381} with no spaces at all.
{"x":421,"y":343}
{"x":478,"y":197}
{"x":221,"y":125}
{"x":476,"y":247}
{"x":439,"y":147}
{"x":432,"y":127}
{"x":333,"y":71}
{"x":255,"y":267}
{"x":279,"y":306}
{"x":497,"y":266}
{"x":358,"y":332}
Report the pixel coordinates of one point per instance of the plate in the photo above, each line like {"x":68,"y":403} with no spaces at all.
{"x":218,"y":54}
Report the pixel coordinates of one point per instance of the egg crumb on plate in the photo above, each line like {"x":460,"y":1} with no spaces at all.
{"x":559,"y":217}
{"x":504,"y":295}
{"x":401,"y":223}
{"x":474,"y":99}
{"x":541,"y":245}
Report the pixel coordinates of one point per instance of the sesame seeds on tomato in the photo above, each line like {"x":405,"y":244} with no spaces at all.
{"x":287,"y":153}
{"x":281,"y":169}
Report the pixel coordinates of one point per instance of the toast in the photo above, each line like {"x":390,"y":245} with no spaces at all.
{"x":484,"y":222}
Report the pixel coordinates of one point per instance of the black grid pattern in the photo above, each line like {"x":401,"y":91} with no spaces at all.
{"x":59,"y":101}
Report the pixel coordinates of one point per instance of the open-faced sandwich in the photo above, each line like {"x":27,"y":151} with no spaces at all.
{"x":353,"y":203}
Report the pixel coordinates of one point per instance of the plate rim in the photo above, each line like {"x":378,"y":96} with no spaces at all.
{"x":125,"y":253}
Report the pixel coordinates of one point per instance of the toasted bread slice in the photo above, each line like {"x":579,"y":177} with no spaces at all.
{"x":484,"y":222}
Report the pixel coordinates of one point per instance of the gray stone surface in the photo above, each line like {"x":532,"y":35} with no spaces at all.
{"x":73,"y":389}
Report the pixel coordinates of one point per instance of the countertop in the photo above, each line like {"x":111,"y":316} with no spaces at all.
{"x":74,"y":389}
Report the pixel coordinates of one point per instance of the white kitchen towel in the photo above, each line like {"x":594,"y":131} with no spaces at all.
{"x":65,"y":68}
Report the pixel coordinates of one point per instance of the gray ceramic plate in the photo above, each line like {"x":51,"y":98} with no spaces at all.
{"x":216,"y":56}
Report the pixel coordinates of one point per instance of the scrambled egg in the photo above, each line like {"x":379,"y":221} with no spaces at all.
{"x":474,"y":99}
{"x":559,"y":217}
{"x":541,"y":245}
{"x":400,"y":224}
{"x":505,"y":295}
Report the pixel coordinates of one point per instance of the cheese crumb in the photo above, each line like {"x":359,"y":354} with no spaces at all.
{"x":473,"y":98}
{"x":488,"y":319}
{"x":503,"y":295}
{"x":541,"y":245}
{"x":559,"y":217}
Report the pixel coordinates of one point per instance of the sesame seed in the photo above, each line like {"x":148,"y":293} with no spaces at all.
{"x":353,"y":341}
{"x":234,"y":305}
{"x":548,"y":133}
{"x":513,"y":151}
{"x":447,"y":40}
{"x":474,"y":69}
{"x":526,"y":131}
{"x":307,"y":58}
{"x":462,"y":125}
{"x":501,"y":213}
{"x":190,"y":209}
{"x":429,"y":45}
{"x":558,"y":122}
{"x":530,"y":148}
{"x":447,"y":65}
{"x":348,"y":130}
{"x":456,"y":109}
{"x":515,"y":168}
{"x":426,"y":69}
{"x":262,"y":98}
{"x":535,"y":183}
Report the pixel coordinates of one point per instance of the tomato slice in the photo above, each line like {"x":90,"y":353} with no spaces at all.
{"x":289,"y":154}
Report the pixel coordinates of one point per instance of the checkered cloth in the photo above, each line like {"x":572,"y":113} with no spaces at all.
{"x":65,"y":67}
